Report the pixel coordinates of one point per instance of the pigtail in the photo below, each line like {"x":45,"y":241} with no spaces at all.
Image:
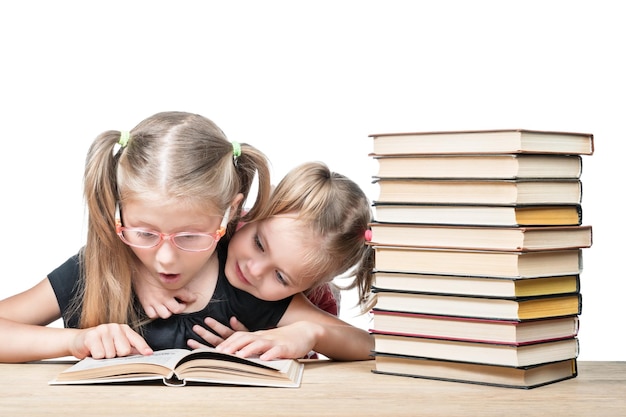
{"x":364,"y":279}
{"x":249,"y":164}
{"x":105,"y":261}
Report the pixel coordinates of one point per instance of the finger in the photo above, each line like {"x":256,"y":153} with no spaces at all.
{"x":137,"y":343}
{"x":163,"y":312}
{"x":226,"y":346}
{"x":185,"y":296}
{"x":237,"y":325}
{"x":207,"y":335}
{"x":107,"y":338}
{"x":175,"y":306}
{"x":236,"y":342}
{"x":276,"y":352}
{"x":224,"y":331}
{"x":150,"y":312}
{"x":121,"y":345}
{"x":255,"y":348}
{"x":194,"y":344}
{"x":92,"y":346}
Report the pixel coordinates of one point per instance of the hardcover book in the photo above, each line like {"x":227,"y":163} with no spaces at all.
{"x":479,"y":191}
{"x":479,"y":215}
{"x":509,"y":166}
{"x":503,"y":287}
{"x":495,"y":375}
{"x":483,"y":141}
{"x":480,"y":307}
{"x":512,"y":332}
{"x":481,"y":238}
{"x":478,"y":263}
{"x":477,"y":352}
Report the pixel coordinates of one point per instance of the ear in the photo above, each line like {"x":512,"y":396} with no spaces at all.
{"x":235,"y":205}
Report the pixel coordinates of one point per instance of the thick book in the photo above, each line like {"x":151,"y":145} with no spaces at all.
{"x":502,"y":287}
{"x":512,"y":332}
{"x":479,"y":215}
{"x":479,"y":191}
{"x":479,"y":263}
{"x":483,"y":141}
{"x":477,"y":352}
{"x":526,"y":308}
{"x":177,"y":367}
{"x":480,"y":237}
{"x":507,"y":166}
{"x":494,"y":375}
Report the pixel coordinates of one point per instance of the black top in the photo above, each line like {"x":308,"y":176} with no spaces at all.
{"x":227,"y":301}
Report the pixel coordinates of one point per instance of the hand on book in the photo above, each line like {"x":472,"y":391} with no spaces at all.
{"x":288,"y":342}
{"x":108,"y":341}
{"x":211,"y":338}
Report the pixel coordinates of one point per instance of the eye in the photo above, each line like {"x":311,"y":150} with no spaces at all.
{"x":281,"y":280}
{"x":257,"y":243}
{"x":189,"y":237}
{"x":143,"y":234}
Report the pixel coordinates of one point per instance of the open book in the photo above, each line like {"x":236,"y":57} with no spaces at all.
{"x":177,"y":367}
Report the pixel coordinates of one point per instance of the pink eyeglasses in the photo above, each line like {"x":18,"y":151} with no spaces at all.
{"x":190,"y":242}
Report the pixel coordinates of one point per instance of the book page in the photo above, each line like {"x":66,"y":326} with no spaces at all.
{"x":167,"y":358}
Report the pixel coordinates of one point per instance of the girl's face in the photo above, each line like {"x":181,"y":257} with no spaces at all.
{"x":166,"y":265}
{"x":265,"y":258}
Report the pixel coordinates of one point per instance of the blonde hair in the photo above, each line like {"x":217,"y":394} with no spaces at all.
{"x":336,"y":212}
{"x":172,"y":155}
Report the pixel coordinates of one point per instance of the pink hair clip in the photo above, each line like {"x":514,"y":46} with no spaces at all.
{"x":368,"y":235}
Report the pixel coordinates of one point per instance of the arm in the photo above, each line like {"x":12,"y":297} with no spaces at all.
{"x":25,"y":316}
{"x":303,"y":328}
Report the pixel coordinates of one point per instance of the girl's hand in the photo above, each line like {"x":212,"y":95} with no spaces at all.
{"x":161,"y":303}
{"x":108,"y":341}
{"x":293,"y":341}
{"x":211,"y":338}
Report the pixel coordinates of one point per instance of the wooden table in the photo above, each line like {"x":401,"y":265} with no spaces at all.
{"x":328,"y":389}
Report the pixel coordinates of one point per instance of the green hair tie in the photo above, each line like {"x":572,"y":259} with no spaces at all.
{"x":124,"y":137}
{"x":236,"y":149}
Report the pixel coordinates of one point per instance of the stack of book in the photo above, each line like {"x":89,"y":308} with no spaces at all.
{"x":478,"y":239}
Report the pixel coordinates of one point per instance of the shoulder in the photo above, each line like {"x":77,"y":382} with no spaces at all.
{"x":65,"y":281}
{"x":67,"y":271}
{"x":326,"y":298}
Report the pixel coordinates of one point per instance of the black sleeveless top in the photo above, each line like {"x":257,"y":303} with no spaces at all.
{"x":173,"y":332}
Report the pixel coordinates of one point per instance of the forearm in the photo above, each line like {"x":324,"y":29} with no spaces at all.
{"x":30,"y":342}
{"x":342,"y":342}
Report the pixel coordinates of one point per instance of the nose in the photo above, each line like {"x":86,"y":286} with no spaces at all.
{"x":257,"y":268}
{"x":166,"y":252}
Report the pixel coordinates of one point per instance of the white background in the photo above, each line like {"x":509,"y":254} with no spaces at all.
{"x":307,"y":80}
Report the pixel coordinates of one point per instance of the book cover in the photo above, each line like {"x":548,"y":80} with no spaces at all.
{"x":177,"y":367}
{"x":494,"y":375}
{"x":483,"y":141}
{"x":512,"y":332}
{"x":479,"y":215}
{"x":480,"y":237}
